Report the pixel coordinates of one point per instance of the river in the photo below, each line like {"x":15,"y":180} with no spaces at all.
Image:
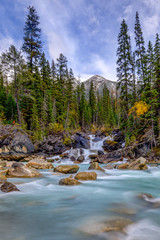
{"x":44,"y":210}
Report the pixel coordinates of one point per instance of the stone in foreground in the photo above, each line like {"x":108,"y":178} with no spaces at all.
{"x":118,"y":224}
{"x":138,"y":164}
{"x":39,"y":164}
{"x":85,"y":176}
{"x":8,"y":187}
{"x":66,"y":169}
{"x":69,"y":181}
{"x":95,"y":166}
{"x":3,"y":176}
{"x":18,"y":170}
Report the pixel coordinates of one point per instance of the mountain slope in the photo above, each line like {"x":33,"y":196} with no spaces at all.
{"x":98,"y":83}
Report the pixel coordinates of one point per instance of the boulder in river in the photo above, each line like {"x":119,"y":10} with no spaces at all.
{"x":69,"y":181}
{"x":110,"y":145}
{"x":39,"y":164}
{"x":100,"y":152}
{"x":81,"y":158}
{"x":108,"y":166}
{"x":2,"y":164}
{"x":96,"y":139}
{"x":18,"y":170}
{"x":123,"y":166}
{"x":138,"y":164}
{"x":85,"y":176}
{"x":118,"y":224}
{"x":8,"y":187}
{"x":93,"y":156}
{"x":80,"y":141}
{"x":3,"y":176}
{"x":66,"y":169}
{"x":110,"y":157}
{"x":95,"y":166}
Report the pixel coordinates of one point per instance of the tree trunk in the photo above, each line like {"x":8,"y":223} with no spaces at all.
{"x":66,"y":122}
{"x":16,"y":95}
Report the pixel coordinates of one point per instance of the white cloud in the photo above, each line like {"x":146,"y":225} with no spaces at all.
{"x":151,"y":22}
{"x":5,"y":43}
{"x":151,"y":25}
{"x":126,"y":13}
{"x":98,"y":65}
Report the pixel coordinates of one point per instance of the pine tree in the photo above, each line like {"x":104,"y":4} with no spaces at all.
{"x":150,"y":94}
{"x":62,"y":74}
{"x":13,"y":62}
{"x":31,"y":41}
{"x":92,"y":102}
{"x":139,"y":53}
{"x":82,"y":105}
{"x":157,"y":81}
{"x":124,"y":70}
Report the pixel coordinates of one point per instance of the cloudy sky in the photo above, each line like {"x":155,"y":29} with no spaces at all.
{"x":85,"y":31}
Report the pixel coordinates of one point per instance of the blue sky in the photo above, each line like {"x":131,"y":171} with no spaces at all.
{"x":85,"y":31}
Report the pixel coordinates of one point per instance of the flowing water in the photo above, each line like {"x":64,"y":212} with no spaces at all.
{"x":44,"y":210}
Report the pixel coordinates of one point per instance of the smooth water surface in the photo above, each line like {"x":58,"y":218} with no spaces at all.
{"x":44,"y":210}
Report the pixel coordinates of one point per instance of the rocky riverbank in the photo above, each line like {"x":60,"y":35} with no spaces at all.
{"x":16,"y":145}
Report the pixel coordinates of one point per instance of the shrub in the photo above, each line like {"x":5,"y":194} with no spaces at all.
{"x":67,"y":141}
{"x":55,"y":128}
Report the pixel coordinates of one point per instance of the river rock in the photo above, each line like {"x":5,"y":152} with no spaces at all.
{"x":93,"y":156}
{"x":81,"y":158}
{"x":85,"y":176}
{"x":81,"y":151}
{"x":118,"y":136}
{"x":108,"y":166}
{"x":114,"y":156}
{"x":14,"y":140}
{"x":34,"y":156}
{"x":95,"y":166}
{"x":8,"y":187}
{"x":39,"y":164}
{"x":138,"y":164}
{"x":73,"y":159}
{"x":3,"y":177}
{"x":53,"y":144}
{"x":18,"y":170}
{"x":64,"y":155}
{"x":118,"y":224}
{"x":2,"y":164}
{"x":96,"y":139}
{"x":123,"y":166}
{"x":80,"y":142}
{"x":109,"y":145}
{"x":100,"y":152}
{"x":69,"y":181}
{"x":66,"y":169}
{"x":145,"y":196}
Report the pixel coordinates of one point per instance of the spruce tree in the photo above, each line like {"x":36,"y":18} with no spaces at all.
{"x":32,"y":34}
{"x":139,"y":54}
{"x":157,"y":81}
{"x":124,"y":70}
{"x":12,"y":62}
{"x":92,"y":102}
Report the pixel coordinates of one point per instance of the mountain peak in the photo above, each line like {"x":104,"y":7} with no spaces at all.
{"x":98,"y":83}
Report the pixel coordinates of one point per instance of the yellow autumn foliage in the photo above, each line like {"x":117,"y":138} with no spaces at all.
{"x":139,"y":108}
